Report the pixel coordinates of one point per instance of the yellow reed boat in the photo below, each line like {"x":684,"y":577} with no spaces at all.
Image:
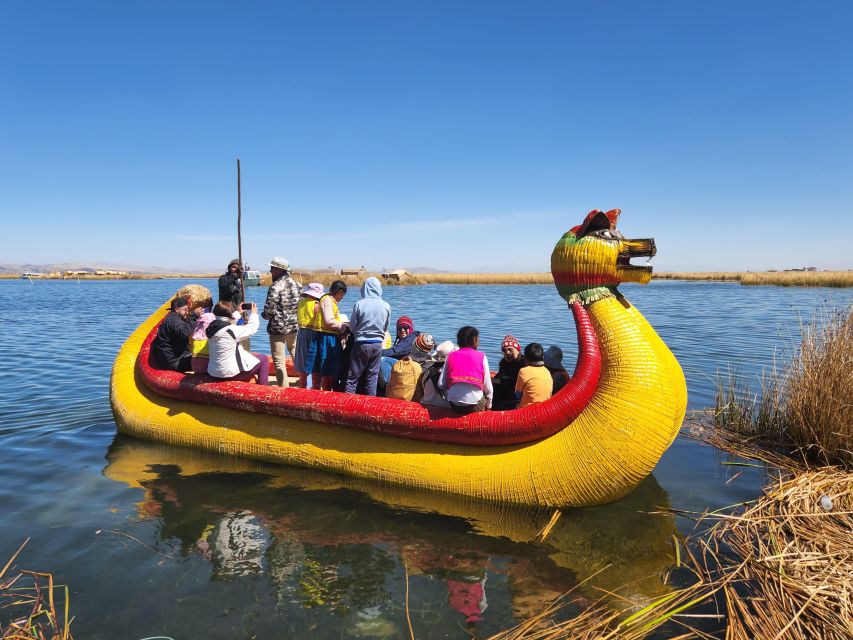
{"x":591,"y":443}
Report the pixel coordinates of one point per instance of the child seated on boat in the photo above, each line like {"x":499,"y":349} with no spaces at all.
{"x":554,"y":364}
{"x":198,"y":343}
{"x":534,"y":380}
{"x":466,"y":377}
{"x":228,"y":359}
{"x":508,"y":368}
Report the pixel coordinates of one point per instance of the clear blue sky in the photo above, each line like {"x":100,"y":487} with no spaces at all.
{"x":458,"y":135}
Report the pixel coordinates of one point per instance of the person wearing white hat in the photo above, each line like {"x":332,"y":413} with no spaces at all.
{"x":280,"y":314}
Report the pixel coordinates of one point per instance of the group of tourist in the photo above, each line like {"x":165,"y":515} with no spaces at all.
{"x":355,"y":354}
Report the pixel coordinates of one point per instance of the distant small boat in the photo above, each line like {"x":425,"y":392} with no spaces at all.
{"x":252,"y":278}
{"x":32,"y":274}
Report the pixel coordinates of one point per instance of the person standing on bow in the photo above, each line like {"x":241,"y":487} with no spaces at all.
{"x":327,"y":327}
{"x":368,"y":323}
{"x":280,"y":314}
{"x":231,"y":284}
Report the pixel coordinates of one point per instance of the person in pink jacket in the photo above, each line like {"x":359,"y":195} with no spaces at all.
{"x":465,"y":376}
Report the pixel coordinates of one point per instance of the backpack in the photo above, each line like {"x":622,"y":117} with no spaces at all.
{"x":404,"y":379}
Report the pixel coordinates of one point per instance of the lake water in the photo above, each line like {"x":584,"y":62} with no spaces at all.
{"x":159,"y":541}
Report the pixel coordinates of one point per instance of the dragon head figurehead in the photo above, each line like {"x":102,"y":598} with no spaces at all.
{"x":591,"y":259}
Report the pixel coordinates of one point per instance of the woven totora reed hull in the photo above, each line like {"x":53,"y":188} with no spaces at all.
{"x":590,"y":444}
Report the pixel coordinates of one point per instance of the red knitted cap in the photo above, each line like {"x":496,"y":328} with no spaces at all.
{"x":510,"y":341}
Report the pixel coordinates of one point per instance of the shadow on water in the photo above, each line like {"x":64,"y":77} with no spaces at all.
{"x":336,"y":544}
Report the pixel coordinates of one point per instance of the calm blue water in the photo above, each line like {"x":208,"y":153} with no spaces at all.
{"x":159,"y":541}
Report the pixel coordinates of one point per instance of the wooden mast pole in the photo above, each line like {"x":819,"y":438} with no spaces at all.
{"x":239,"y":236}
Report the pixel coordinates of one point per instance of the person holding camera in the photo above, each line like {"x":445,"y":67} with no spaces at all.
{"x":231,"y":284}
{"x":228,"y":359}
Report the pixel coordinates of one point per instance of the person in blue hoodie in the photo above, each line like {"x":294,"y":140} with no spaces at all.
{"x":368,"y":323}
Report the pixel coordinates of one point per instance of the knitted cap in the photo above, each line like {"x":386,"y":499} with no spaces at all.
{"x":405,"y":321}
{"x":424,"y":343}
{"x":510,"y":341}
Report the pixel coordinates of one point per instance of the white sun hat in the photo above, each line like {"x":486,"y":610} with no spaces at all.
{"x":280,"y":263}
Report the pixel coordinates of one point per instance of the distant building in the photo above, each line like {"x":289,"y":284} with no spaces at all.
{"x":395,"y":275}
{"x":353,"y":271}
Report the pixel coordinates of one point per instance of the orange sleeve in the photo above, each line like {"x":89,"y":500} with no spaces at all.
{"x":519,"y":382}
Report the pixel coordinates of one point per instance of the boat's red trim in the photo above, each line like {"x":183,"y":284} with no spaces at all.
{"x":396,"y":417}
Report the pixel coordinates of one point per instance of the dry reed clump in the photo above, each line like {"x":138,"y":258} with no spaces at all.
{"x":199,"y":295}
{"x":28,"y":603}
{"x":786,"y":562}
{"x":808,"y":404}
{"x":818,"y":400}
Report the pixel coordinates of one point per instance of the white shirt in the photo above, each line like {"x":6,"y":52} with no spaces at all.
{"x":224,"y":349}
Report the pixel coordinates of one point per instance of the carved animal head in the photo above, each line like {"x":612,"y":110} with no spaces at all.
{"x":590,"y":260}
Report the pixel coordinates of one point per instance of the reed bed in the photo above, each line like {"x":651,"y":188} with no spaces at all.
{"x":774,"y":278}
{"x":800,"y":278}
{"x":723,"y":276}
{"x":28,"y":602}
{"x":808,"y":404}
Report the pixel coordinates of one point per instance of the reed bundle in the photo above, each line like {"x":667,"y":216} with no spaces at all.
{"x":28,"y":602}
{"x":199,"y":295}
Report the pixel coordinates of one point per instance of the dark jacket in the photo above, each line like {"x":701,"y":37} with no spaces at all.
{"x":170,"y":349}
{"x":402,"y":347}
{"x":230,"y":287}
{"x":504,"y":381}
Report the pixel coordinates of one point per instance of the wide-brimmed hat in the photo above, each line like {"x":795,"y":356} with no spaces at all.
{"x":313,"y":289}
{"x":554,"y":357}
{"x":280,"y":263}
{"x":444,"y":349}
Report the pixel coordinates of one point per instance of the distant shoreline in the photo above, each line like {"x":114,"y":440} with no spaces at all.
{"x":775,"y":278}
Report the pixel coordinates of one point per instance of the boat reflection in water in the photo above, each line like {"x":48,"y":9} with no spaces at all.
{"x":331,"y":541}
